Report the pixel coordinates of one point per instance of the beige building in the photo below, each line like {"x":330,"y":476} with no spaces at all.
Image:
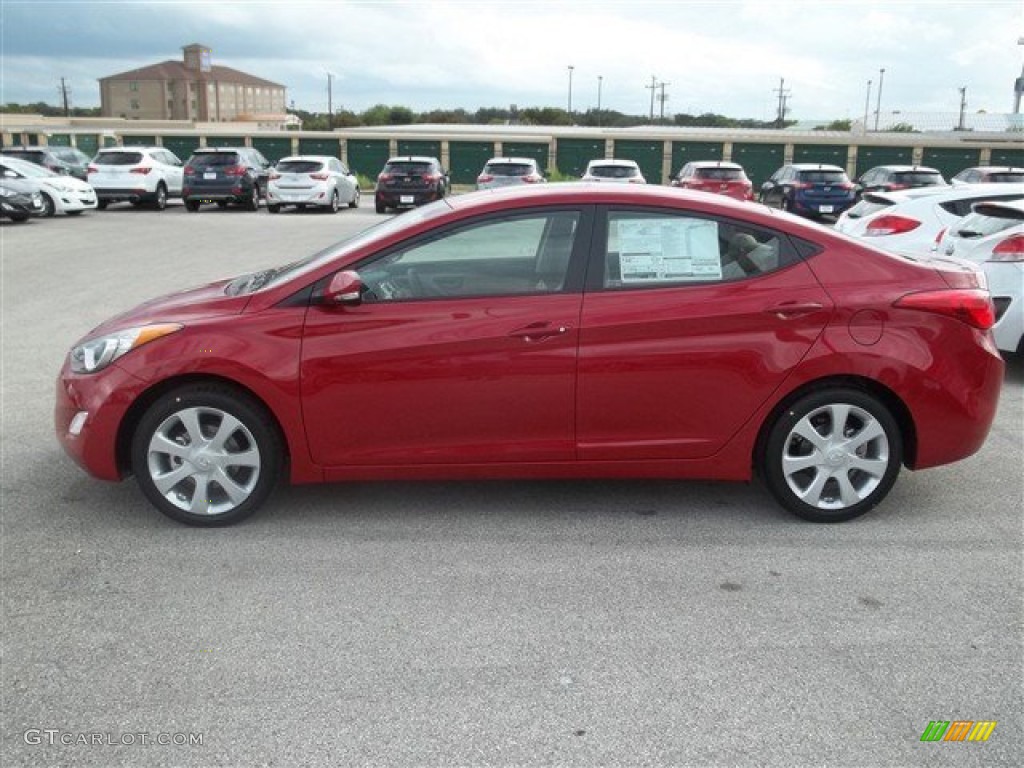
{"x":191,"y":89}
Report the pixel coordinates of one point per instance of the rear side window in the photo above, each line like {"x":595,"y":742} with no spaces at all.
{"x":212,"y":159}
{"x":118,"y":158}
{"x":721,"y":174}
{"x":299,"y":166}
{"x":987,"y":222}
{"x":867,"y":206}
{"x":660,"y":249}
{"x":509,"y":169}
{"x":614,"y":171}
{"x":823,"y":177}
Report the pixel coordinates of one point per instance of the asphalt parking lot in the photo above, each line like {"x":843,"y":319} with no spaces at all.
{"x":505,"y":623}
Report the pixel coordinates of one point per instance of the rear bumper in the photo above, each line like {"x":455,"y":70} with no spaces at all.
{"x":124,"y":194}
{"x":400,"y":198}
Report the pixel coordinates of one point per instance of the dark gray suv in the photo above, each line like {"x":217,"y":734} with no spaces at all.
{"x":224,"y":175}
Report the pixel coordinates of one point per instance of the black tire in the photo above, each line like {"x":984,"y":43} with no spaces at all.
{"x":192,"y":420}
{"x":222,"y":204}
{"x":381,"y":208}
{"x":354,"y":202}
{"x":192,"y":206}
{"x":49,"y":207}
{"x":253,"y":203}
{"x":335,"y":203}
{"x":160,"y":201}
{"x":101,"y":205}
{"x":273,"y":208}
{"x":73,"y":213}
{"x":783,"y":204}
{"x":807,"y":455}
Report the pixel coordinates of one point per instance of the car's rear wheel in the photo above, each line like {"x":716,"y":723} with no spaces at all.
{"x":379,"y":205}
{"x":160,"y":201}
{"x":191,"y":206}
{"x":49,"y":207}
{"x":784,"y":204}
{"x":273,"y":208}
{"x":354,"y":202}
{"x":102,"y":205}
{"x":832,"y":455}
{"x":335,"y":202}
{"x":253,"y":203}
{"x":206,"y":454}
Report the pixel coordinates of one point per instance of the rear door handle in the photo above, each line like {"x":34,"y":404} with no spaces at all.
{"x":538,"y":331}
{"x":792,"y":309}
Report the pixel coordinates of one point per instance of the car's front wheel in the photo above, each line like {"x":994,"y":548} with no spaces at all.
{"x":49,"y":207}
{"x":160,"y":199}
{"x":354,"y":202}
{"x":335,"y":203}
{"x":206,"y":455}
{"x":832,"y":455}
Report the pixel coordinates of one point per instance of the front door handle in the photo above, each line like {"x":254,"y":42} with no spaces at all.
{"x":792,"y":309}
{"x":538,"y":331}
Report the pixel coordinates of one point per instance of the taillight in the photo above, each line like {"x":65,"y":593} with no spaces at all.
{"x":891,"y":224}
{"x":938,"y":237}
{"x":92,"y":169}
{"x":893,"y":187}
{"x":235,"y":170}
{"x":384,"y":177}
{"x":189,"y":170}
{"x":531,"y":179}
{"x":274,"y":176}
{"x":320,"y":176}
{"x":846,"y":185}
{"x":140,"y":171}
{"x":483,"y":178}
{"x":431,"y":178}
{"x":802,"y":185}
{"x":973,"y":307}
{"x":1010,"y":249}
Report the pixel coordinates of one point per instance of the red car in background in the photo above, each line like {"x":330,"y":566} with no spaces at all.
{"x":716,"y":176}
{"x":586,"y":331}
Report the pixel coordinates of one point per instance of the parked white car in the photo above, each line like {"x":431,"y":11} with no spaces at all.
{"x":59,"y":193}
{"x":136,"y":175}
{"x":910,"y":221}
{"x":509,"y":171}
{"x":992,"y":236}
{"x":622,"y":171}
{"x":316,"y":180}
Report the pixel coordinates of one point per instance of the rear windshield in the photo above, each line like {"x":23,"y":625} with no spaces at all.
{"x":918,"y":178}
{"x":614,"y":171}
{"x":118,"y":158}
{"x":407,"y":168}
{"x":1005,"y":176}
{"x":509,"y":169}
{"x":209,"y":159}
{"x":299,"y":166}
{"x":721,"y":174}
{"x":866,"y":207}
{"x":982,"y":225}
{"x":32,"y":157}
{"x":823,"y":177}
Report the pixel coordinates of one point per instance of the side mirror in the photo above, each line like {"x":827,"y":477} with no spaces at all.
{"x":766,"y":186}
{"x":345,"y":288}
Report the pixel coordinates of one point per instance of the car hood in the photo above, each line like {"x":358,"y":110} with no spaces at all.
{"x":194,"y":304}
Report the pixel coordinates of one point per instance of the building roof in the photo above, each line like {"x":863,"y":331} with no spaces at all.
{"x":176,"y":70}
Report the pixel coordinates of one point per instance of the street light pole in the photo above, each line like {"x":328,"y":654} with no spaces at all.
{"x":571,"y":68}
{"x":599,"y":81}
{"x":867,"y":106}
{"x":878,"y":106}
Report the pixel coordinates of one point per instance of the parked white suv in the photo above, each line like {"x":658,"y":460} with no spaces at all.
{"x":137,"y":175}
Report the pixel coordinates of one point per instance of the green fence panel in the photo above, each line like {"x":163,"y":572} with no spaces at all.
{"x":88,"y":143}
{"x":827,"y":154}
{"x":647,"y":154}
{"x":537,"y":151}
{"x":34,"y":139}
{"x":275,"y":149}
{"x":368,"y":156}
{"x":684,"y":152}
{"x":1014,"y":157}
{"x":225,"y":141}
{"x":949,"y":161}
{"x":574,"y":154}
{"x":467,"y":159}
{"x":138,"y":141}
{"x":330,"y":147}
{"x":869,"y":157}
{"x":59,"y":140}
{"x":759,"y":160}
{"x":422,"y":148}
{"x":182,"y":146}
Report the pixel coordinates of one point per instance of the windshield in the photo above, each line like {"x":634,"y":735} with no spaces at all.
{"x":918,"y":178}
{"x":207,"y":159}
{"x":509,"y":169}
{"x":824,"y":177}
{"x":254,"y":281}
{"x":299,"y":166}
{"x":27,"y":169}
{"x":721,"y":174}
{"x":118,"y":158}
{"x":420,"y":168}
{"x":614,"y":171}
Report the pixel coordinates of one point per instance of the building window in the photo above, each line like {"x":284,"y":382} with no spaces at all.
{"x":133,"y":86}
{"x":134,"y":104}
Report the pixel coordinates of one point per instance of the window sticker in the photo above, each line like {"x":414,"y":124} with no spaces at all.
{"x":668,"y":250}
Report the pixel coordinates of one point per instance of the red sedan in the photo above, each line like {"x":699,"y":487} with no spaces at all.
{"x":560,"y":331}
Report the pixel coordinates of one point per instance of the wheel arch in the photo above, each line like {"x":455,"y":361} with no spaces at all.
{"x":899,"y":410}
{"x":135,"y":412}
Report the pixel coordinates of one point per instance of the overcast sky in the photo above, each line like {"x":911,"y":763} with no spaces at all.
{"x":725,"y":56}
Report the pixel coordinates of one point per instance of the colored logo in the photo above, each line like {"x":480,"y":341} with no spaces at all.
{"x":958,"y":730}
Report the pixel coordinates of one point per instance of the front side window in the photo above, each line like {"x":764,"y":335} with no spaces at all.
{"x":661,"y":249}
{"x":524,"y":254}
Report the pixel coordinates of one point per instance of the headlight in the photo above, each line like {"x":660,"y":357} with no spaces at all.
{"x":96,"y":354}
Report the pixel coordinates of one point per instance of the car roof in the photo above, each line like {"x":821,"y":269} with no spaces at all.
{"x":207,"y":150}
{"x":413,"y":159}
{"x":318,"y":158}
{"x":612,"y":161}
{"x":817,"y":167}
{"x":943,"y":194}
{"x":714,"y":164}
{"x":900,"y":168}
{"x":132,"y":148}
{"x":505,"y":160}
{"x":995,"y":169}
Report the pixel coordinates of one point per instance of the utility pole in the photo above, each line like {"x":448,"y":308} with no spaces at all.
{"x":600,"y":79}
{"x":867,"y":107}
{"x":963,"y":108}
{"x":878,"y":105}
{"x":653,"y":87}
{"x":330,"y":102}
{"x":783,"y":92}
{"x":569,"y":110}
{"x":65,"y":93}
{"x":662,"y":98}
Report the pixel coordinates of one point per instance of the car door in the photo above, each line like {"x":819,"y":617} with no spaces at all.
{"x":462,"y":351}
{"x":771,"y":191}
{"x":689,"y":324}
{"x":342,"y":180}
